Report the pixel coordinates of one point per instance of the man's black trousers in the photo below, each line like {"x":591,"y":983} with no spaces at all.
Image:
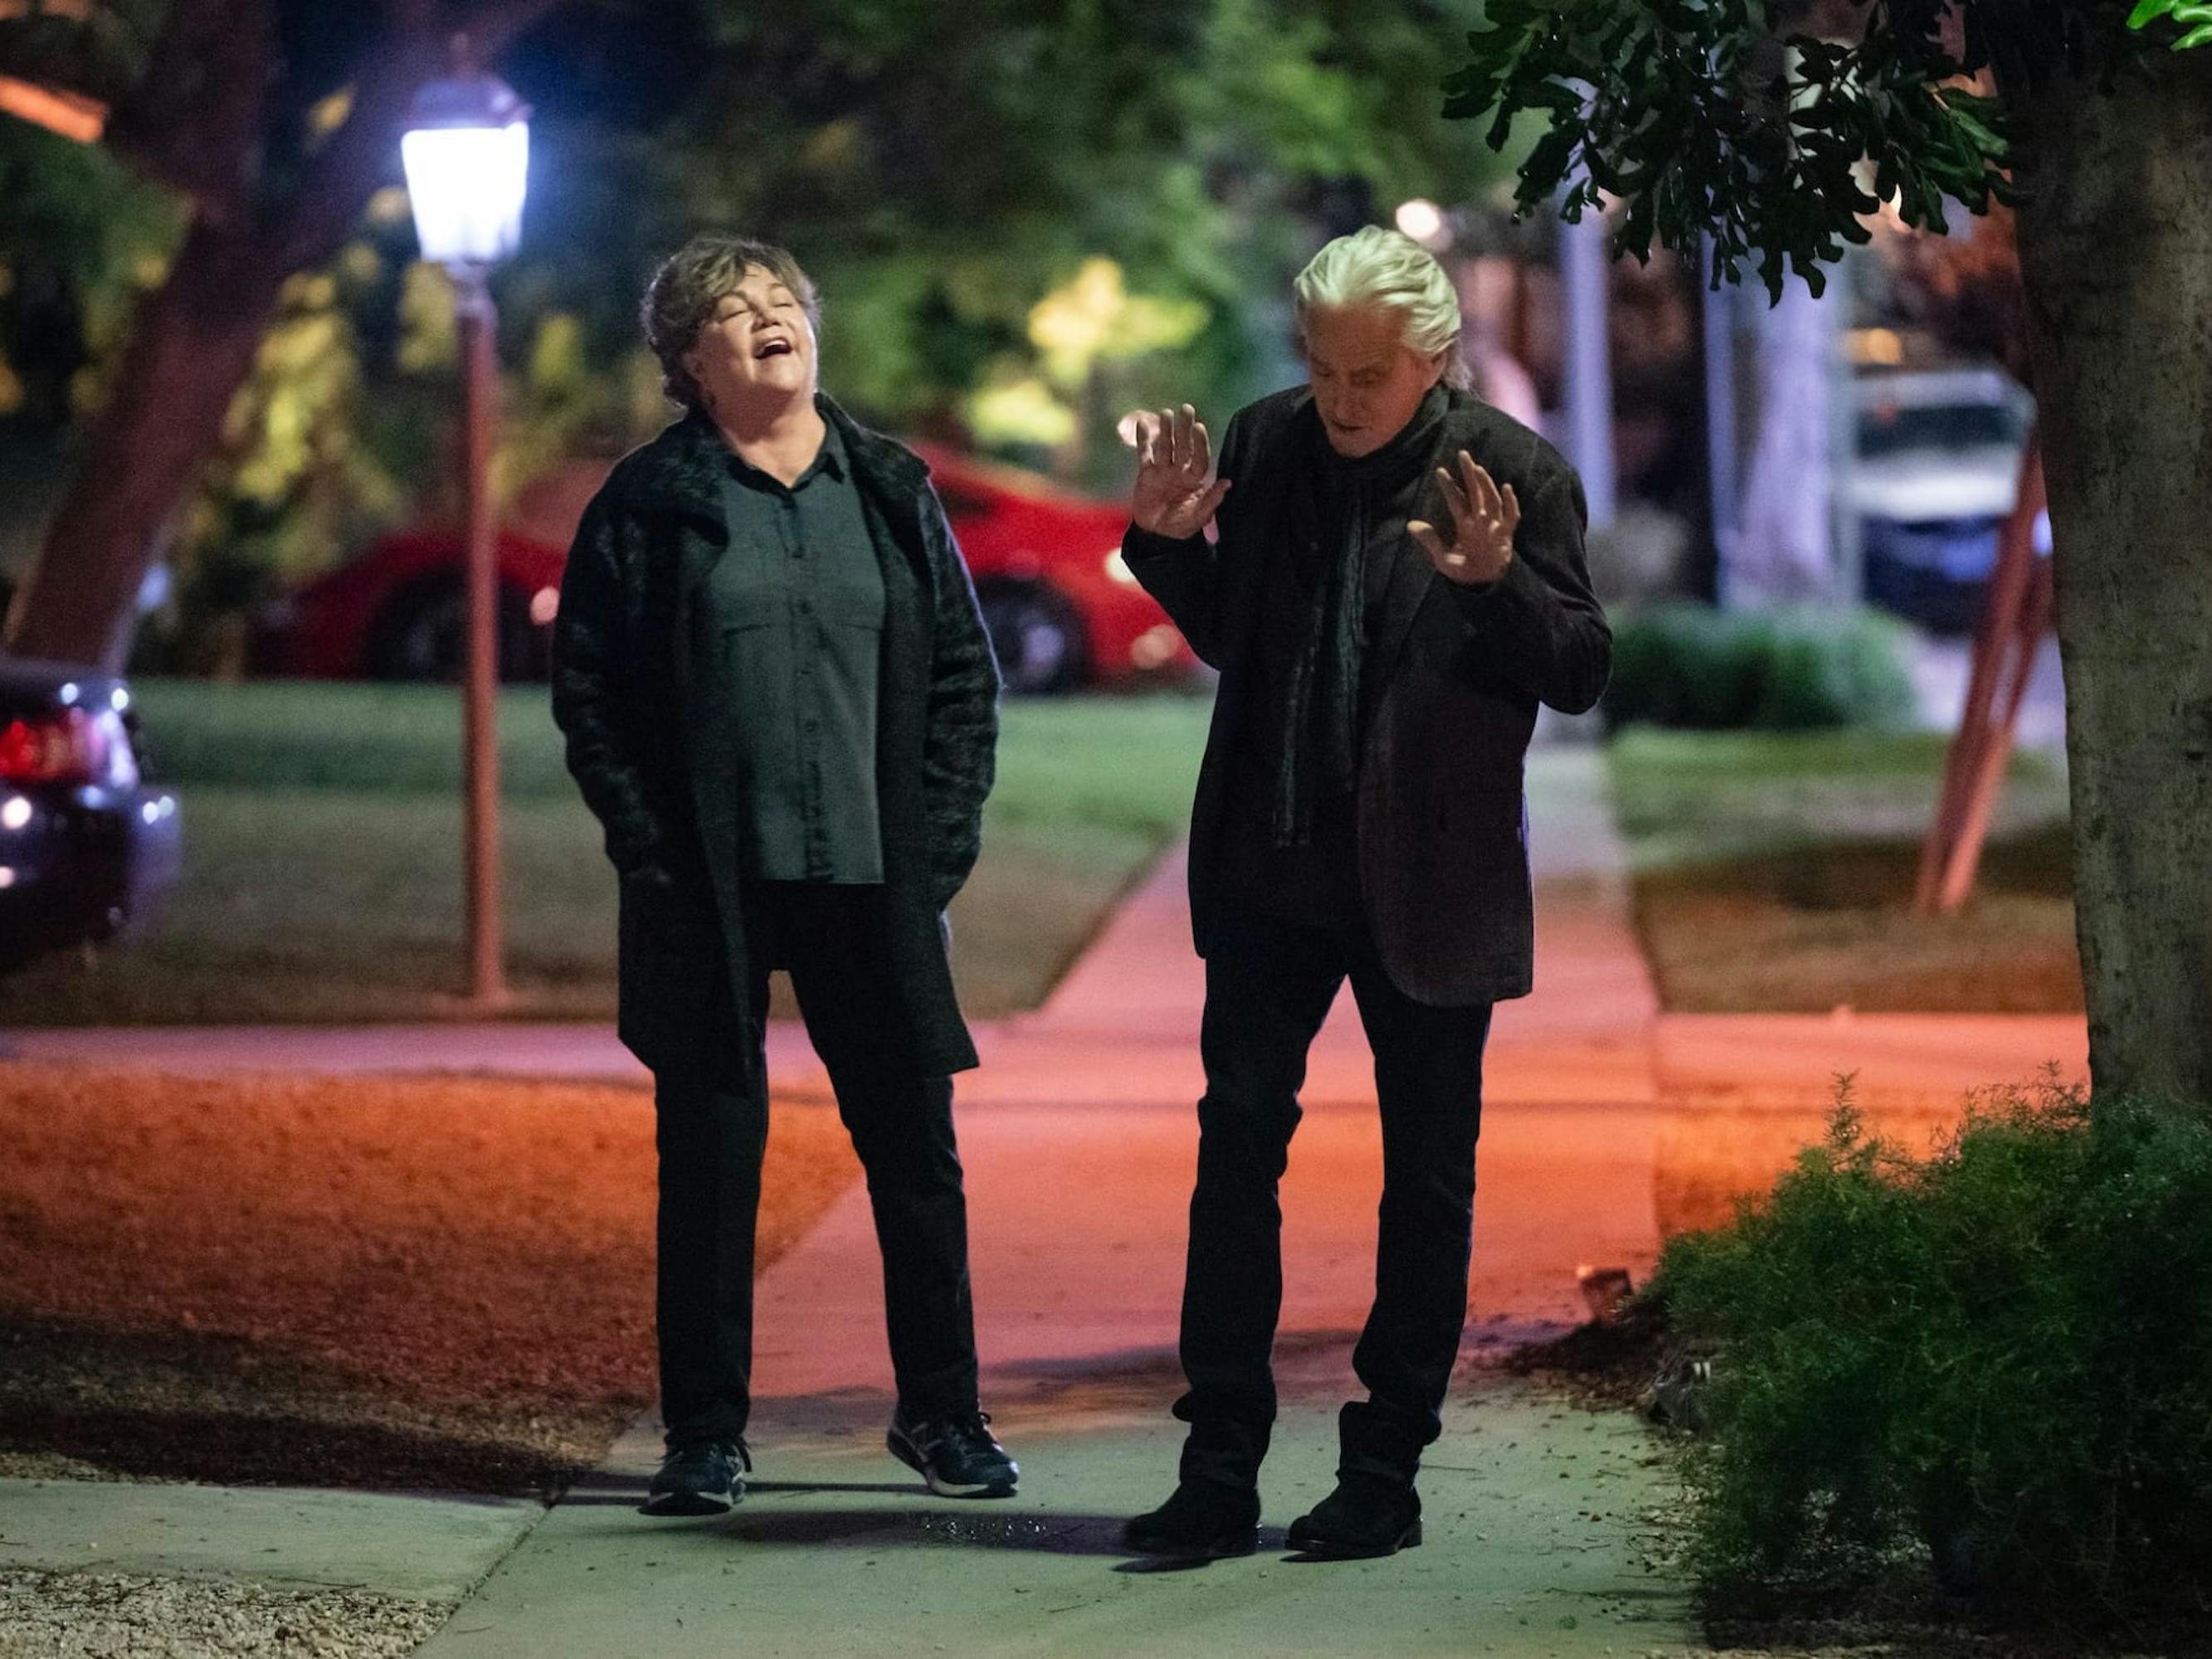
{"x":1269,"y":986}
{"x":713,"y":1128}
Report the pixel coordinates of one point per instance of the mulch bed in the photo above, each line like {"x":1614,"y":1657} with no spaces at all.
{"x":441,"y":1283}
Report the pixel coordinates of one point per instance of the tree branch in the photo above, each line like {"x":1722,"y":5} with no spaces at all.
{"x":193,"y":120}
{"x":493,"y":26}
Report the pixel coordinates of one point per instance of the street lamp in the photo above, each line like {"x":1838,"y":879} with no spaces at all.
{"x":467,"y":152}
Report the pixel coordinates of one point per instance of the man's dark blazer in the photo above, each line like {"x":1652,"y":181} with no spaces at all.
{"x":1452,"y":676}
{"x":625,"y":698}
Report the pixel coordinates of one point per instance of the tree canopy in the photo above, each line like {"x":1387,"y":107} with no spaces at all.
{"x":1023,"y":220}
{"x":1749,"y":122}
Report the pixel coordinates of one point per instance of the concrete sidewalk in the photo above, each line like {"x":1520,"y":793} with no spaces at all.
{"x":430,"y":1549}
{"x":1078,"y":1140}
{"x":1605,"y":1124}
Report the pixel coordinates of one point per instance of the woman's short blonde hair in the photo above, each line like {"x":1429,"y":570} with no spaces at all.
{"x":691,"y":282}
{"x":1381,"y":267}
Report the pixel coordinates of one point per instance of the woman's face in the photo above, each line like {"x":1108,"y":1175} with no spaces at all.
{"x":1366,"y":380}
{"x":756,"y":351}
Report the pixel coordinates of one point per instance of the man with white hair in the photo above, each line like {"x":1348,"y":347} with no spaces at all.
{"x":1396,"y":581}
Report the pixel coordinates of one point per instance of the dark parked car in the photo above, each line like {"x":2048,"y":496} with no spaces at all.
{"x":88,"y":847}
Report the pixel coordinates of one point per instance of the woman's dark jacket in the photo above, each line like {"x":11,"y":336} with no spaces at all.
{"x":624,"y":695}
{"x":1451,"y":679}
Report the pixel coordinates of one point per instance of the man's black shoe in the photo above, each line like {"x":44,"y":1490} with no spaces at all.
{"x":955,"y":1455}
{"x":1365,"y":1516}
{"x":705,"y":1478}
{"x":1202,"y":1521}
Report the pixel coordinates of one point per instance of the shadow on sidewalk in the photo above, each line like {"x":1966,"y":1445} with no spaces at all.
{"x":964,"y":1526}
{"x":628,"y":1492}
{"x":203,"y":1406}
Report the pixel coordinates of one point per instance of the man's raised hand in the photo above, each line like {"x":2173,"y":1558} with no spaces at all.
{"x":1484,"y":519}
{"x":1172,"y":497}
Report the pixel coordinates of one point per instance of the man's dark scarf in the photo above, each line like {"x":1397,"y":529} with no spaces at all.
{"x":1338,"y":505}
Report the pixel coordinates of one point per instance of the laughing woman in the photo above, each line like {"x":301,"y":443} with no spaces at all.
{"x":779,"y":702}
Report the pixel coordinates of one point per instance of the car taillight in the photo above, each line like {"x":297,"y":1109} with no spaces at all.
{"x":74,"y":746}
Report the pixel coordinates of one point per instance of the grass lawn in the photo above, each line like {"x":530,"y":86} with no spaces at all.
{"x":1774,"y":873}
{"x":355,"y":1282}
{"x":322,"y":878}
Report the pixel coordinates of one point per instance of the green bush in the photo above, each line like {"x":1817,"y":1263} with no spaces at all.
{"x":1692,"y":666}
{"x":2001,"y":1356}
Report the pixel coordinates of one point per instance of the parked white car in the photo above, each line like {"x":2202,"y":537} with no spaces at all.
{"x":1935,"y":470}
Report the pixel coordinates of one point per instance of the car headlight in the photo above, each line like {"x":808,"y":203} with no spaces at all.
{"x":1117,"y":568}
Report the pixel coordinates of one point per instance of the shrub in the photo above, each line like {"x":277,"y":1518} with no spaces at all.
{"x":1791,"y":670}
{"x":2001,"y":1356}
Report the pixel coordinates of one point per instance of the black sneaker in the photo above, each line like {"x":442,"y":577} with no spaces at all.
{"x":955,"y":1455}
{"x":703,"y":1478}
{"x":1202,"y":1521}
{"x":1365,"y":1516}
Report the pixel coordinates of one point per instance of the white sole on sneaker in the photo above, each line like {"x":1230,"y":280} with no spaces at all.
{"x":908,"y":1454}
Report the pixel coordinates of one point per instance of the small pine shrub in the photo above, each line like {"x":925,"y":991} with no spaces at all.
{"x":1694,"y":667}
{"x":1998,"y":1359}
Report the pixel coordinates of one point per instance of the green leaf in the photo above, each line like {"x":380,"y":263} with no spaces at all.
{"x":1696,"y":134}
{"x":2196,"y":13}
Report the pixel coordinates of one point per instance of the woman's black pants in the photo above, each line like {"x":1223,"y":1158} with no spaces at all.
{"x":712,"y":1112}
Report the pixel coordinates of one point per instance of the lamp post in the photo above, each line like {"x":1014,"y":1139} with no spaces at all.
{"x":467,"y":152}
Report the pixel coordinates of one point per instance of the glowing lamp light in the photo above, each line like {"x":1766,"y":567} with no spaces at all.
{"x":1424,"y":222}
{"x":467,"y":155}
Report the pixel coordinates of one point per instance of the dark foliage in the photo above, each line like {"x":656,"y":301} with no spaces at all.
{"x":1996,"y":1359}
{"x":1691,"y":666}
{"x":1736,"y":120}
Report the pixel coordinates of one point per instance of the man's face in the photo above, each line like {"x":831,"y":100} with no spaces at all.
{"x":757,"y":349}
{"x":1366,"y":380}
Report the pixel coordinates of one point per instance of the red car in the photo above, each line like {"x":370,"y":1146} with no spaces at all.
{"x":1062,"y":608}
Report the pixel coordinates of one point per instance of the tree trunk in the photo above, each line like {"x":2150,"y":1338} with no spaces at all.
{"x":193,"y":346}
{"x":2116,"y":241}
{"x":1783,"y":552}
{"x":198,"y":123}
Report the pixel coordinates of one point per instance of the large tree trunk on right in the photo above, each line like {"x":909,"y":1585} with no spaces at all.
{"x":2116,"y":242}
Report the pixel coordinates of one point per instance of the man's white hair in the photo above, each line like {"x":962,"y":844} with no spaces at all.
{"x":1381,"y":267}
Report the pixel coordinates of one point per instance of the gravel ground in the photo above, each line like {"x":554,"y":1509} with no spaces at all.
{"x":89,"y":1615}
{"x":431,"y":1282}
{"x":422,"y":1283}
